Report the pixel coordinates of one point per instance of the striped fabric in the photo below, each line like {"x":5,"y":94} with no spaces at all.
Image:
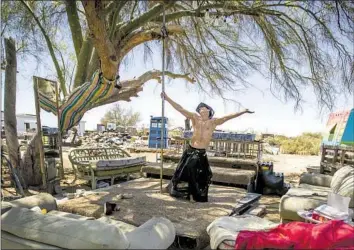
{"x":82,"y":100}
{"x":47,"y":104}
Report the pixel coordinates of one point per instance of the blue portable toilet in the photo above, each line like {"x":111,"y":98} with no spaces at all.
{"x":155,"y":132}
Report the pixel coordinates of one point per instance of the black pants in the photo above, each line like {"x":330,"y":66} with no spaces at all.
{"x":193,"y":169}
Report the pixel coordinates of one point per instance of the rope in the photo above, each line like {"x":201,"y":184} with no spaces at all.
{"x":164,"y":35}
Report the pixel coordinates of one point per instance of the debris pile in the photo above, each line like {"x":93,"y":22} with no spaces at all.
{"x":104,"y":139}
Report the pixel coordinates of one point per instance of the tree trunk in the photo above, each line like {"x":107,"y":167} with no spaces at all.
{"x":10,"y":107}
{"x":30,"y":163}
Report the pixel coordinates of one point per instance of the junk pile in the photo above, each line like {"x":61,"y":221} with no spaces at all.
{"x":103,"y":139}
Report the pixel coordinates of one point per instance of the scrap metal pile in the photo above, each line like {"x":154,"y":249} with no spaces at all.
{"x":103,"y":139}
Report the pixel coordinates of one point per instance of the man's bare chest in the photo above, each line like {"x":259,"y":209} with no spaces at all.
{"x":204,"y":126}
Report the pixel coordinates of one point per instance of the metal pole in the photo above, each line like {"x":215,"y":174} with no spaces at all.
{"x":1,"y":59}
{"x":163,"y":97}
{"x":60,"y":140}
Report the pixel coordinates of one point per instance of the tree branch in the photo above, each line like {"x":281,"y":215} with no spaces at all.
{"x":50,"y":47}
{"x":100,"y":37}
{"x":143,"y":36}
{"x":93,"y":65}
{"x":83,"y":61}
{"x":131,"y":88}
{"x":142,"y":19}
{"x":74,"y":23}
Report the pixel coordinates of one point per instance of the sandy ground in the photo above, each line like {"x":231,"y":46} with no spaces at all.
{"x":291,"y":165}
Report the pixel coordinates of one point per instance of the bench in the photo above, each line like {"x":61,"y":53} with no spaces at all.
{"x":232,"y":176}
{"x":95,"y":164}
{"x":224,"y":162}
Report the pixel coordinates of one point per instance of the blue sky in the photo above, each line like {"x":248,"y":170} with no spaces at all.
{"x":271,"y":115}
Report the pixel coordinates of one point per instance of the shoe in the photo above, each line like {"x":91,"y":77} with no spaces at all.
{"x":109,"y":208}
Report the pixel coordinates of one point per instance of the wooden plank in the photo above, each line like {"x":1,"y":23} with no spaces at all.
{"x":39,"y":131}
{"x":257,"y":210}
{"x":245,"y":203}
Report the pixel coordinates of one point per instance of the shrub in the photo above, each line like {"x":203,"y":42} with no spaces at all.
{"x":305,"y":144}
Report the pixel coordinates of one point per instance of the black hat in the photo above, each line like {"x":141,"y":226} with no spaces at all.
{"x":203,"y":105}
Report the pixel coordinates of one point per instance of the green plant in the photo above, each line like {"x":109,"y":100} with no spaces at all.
{"x":305,"y":144}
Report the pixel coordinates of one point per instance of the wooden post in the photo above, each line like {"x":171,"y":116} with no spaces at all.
{"x":238,"y":150}
{"x":335,"y":156}
{"x":61,"y":170}
{"x":244,"y":150}
{"x":323,"y":154}
{"x":342,"y":157}
{"x":39,"y":131}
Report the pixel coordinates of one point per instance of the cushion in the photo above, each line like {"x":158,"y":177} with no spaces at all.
{"x":347,"y":189}
{"x":119,"y":163}
{"x":62,"y":232}
{"x":122,"y":170}
{"x":224,"y":175}
{"x":314,"y":188}
{"x":339,"y":176}
{"x":10,"y":241}
{"x":307,"y":192}
{"x":316,"y":179}
{"x":289,"y":205}
{"x":124,"y":227}
{"x":69,"y":215}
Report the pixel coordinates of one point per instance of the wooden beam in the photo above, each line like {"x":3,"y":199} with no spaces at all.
{"x":39,"y":131}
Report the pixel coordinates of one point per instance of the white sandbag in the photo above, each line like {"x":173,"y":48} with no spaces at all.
{"x":43,"y":200}
{"x":156,"y":233}
{"x":62,"y":232}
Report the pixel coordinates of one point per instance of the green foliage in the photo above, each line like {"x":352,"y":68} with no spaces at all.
{"x":121,"y":117}
{"x":305,"y":144}
{"x":296,"y":44}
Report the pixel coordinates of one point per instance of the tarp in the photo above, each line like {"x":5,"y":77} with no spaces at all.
{"x":300,"y":235}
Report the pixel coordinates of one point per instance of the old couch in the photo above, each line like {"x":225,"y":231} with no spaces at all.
{"x":25,"y":228}
{"x":313,"y":191}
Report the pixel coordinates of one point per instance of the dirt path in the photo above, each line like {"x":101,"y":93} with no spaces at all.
{"x":292,"y":164}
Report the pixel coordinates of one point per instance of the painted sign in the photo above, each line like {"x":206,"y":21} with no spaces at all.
{"x":337,"y":124}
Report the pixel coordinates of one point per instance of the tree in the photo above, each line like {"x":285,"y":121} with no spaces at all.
{"x":10,"y":111}
{"x":295,"y":44}
{"x":23,"y":167}
{"x":271,"y":37}
{"x":121,"y":117}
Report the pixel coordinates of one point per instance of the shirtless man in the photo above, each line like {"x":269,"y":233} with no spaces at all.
{"x":193,"y":166}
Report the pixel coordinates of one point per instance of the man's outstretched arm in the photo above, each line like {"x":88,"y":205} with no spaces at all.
{"x":178,"y":107}
{"x":224,"y":119}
